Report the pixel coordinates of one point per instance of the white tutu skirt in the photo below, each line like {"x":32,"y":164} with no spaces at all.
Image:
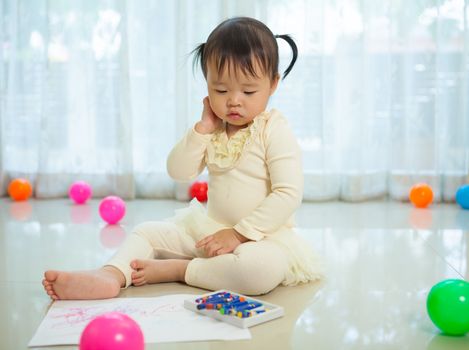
{"x":305,"y":265}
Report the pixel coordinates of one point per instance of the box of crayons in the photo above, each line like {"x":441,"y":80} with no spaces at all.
{"x":236,"y":309}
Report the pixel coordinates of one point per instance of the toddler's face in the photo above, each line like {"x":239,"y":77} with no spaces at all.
{"x":238,"y":98}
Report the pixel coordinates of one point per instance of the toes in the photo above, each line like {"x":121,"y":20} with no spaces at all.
{"x":52,"y":295}
{"x":137,"y":264}
{"x":139,"y":281}
{"x":51,"y":276}
{"x":137,"y":274}
{"x":48,"y":282}
{"x":138,"y":278}
{"x":48,"y":288}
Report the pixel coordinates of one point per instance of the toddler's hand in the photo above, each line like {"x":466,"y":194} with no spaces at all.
{"x":209,"y":122}
{"x":222,"y":242}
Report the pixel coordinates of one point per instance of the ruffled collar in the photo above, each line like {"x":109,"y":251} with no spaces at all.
{"x":224,"y":153}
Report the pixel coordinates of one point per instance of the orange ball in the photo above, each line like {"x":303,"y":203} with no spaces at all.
{"x":20,"y":189}
{"x":421,"y":195}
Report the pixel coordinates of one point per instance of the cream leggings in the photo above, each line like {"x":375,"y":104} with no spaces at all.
{"x":253,"y":268}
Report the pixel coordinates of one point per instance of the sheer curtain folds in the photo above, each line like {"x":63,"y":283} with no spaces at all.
{"x":100,"y":91}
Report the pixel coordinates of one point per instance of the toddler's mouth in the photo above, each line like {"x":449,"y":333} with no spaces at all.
{"x":234,"y":115}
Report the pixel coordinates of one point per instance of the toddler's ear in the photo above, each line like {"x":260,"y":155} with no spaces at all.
{"x":274,"y":83}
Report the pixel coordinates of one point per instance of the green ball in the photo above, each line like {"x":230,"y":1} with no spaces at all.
{"x":448,"y":306}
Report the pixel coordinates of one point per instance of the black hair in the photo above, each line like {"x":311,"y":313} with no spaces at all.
{"x":240,"y":42}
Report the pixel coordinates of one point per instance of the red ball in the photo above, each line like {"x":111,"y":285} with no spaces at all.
{"x":199,"y":190}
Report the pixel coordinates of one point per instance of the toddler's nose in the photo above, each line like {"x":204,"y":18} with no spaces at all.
{"x":234,"y":100}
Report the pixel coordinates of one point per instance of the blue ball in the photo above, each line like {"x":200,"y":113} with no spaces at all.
{"x":462,"y":196}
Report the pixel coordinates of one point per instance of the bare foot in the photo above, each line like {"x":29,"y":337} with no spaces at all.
{"x":156,"y":271}
{"x":94,"y":284}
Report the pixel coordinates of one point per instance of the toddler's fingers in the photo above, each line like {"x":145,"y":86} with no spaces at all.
{"x":211,"y":249}
{"x":203,"y":241}
{"x":222,"y":251}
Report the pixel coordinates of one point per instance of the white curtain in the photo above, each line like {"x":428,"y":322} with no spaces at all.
{"x":101,"y":90}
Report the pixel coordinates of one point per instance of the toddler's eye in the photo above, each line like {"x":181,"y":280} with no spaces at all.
{"x":249,"y":92}
{"x":220,"y":91}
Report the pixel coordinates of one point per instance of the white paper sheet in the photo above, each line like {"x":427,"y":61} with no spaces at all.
{"x":162,"y":320}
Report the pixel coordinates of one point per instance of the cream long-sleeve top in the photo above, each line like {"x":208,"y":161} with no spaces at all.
{"x":255,"y":176}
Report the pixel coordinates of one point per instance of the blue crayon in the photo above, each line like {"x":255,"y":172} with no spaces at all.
{"x":236,"y":309}
{"x":212,"y":300}
{"x":213,"y":296}
{"x":249,"y":313}
{"x":249,"y":306}
{"x":233,"y":301}
{"x":218,"y":303}
{"x":229,"y":308}
{"x":239,"y":310}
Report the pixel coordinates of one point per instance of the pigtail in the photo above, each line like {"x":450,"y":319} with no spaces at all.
{"x":294,"y":49}
{"x":199,"y":57}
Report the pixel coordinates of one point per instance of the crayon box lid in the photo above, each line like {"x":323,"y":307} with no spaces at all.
{"x":247,"y":313}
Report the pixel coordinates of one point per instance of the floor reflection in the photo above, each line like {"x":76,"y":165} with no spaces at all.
{"x":420,"y":219}
{"x":439,"y":341}
{"x":112,"y":236}
{"x":462,"y":219}
{"x":81,"y":213}
{"x":21,"y":211}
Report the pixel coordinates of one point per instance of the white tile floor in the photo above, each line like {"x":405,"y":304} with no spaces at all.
{"x":382,"y":259}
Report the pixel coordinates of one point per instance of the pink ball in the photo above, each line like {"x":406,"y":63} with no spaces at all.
{"x":80,"y":192}
{"x":112,"y":331}
{"x":112,"y":209}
